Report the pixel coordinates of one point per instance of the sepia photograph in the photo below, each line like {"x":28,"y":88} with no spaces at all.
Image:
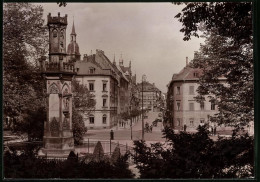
{"x":158,"y":90}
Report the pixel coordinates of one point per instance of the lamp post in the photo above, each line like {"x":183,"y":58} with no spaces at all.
{"x":131,"y":122}
{"x":143,"y":79}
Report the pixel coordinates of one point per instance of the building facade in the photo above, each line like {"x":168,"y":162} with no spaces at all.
{"x":151,"y":96}
{"x":183,"y":111}
{"x":108,"y":87}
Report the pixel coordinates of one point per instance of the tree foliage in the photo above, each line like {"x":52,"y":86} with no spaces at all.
{"x":83,"y":103}
{"x":195,"y":155}
{"x":227,"y":54}
{"x":98,"y":154}
{"x":26,"y":165}
{"x":83,"y":98}
{"x":78,"y":127}
{"x":230,"y":19}
{"x":125,"y":116}
{"x":221,"y":59}
{"x":24,"y":41}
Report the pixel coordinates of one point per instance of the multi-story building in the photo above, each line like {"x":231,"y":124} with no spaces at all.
{"x":97,"y":73}
{"x":107,"y":82}
{"x":150,"y":94}
{"x":182,"y":109}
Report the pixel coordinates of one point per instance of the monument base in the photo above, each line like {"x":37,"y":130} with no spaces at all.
{"x":57,"y":147}
{"x":54,"y":153}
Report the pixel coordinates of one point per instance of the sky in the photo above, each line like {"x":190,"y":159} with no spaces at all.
{"x":145,"y":33}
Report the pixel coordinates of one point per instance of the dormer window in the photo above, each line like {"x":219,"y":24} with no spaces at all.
{"x":92,"y":70}
{"x":196,"y":74}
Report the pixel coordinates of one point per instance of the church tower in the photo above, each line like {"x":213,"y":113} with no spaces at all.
{"x":58,"y":72}
{"x":73,"y":47}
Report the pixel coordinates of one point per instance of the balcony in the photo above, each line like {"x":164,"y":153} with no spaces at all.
{"x":57,"y":67}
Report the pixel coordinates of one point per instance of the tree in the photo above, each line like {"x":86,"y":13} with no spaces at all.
{"x":24,"y":41}
{"x":230,"y":19}
{"x":26,"y":164}
{"x":98,"y":154}
{"x":83,"y":102}
{"x":227,"y":53}
{"x":220,"y":58}
{"x":78,"y":127}
{"x":195,"y":155}
{"x":116,"y":155}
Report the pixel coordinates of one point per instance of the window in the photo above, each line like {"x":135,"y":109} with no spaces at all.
{"x":178,"y":121}
{"x":208,"y":117}
{"x":191,"y":122}
{"x":202,"y":106}
{"x":202,"y":121}
{"x":178,"y":90}
{"x":104,"y":87}
{"x":104,"y":102}
{"x":104,"y":119}
{"x":212,"y":105}
{"x":92,"y":70}
{"x":196,"y":74}
{"x":91,"y":119}
{"x":91,"y":86}
{"x":191,"y":90}
{"x":191,"y":106}
{"x":178,"y":106}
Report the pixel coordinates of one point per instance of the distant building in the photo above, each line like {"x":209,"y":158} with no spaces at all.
{"x":151,"y":96}
{"x":73,"y":47}
{"x":182,"y":109}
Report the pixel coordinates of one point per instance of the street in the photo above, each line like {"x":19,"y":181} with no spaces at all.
{"x":125,"y":134}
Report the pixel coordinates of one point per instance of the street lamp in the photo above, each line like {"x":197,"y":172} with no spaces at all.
{"x":143,"y":79}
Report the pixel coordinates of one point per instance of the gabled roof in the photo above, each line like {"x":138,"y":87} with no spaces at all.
{"x":187,"y":73}
{"x":125,"y":69}
{"x":123,"y":74}
{"x":147,"y":87}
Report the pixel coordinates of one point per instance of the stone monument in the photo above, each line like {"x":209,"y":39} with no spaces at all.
{"x":58,"y":73}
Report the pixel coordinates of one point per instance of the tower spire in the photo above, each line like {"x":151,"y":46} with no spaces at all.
{"x":114,"y":61}
{"x":121,"y":61}
{"x":73,"y":32}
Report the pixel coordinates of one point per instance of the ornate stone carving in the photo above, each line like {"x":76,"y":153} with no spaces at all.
{"x":54,"y":127}
{"x":65,"y":123}
{"x":53,"y":89}
{"x":66,"y":91}
{"x":66,"y":102}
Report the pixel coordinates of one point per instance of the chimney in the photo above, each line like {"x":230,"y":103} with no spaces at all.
{"x":187,"y":62}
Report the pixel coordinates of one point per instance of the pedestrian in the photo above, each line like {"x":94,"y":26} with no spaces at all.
{"x":184,"y":128}
{"x":111,"y":135}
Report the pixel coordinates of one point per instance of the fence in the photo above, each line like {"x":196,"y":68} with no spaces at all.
{"x":108,"y":147}
{"x":84,"y":149}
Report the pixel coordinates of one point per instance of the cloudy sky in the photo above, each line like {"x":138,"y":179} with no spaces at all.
{"x":146,"y":33}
